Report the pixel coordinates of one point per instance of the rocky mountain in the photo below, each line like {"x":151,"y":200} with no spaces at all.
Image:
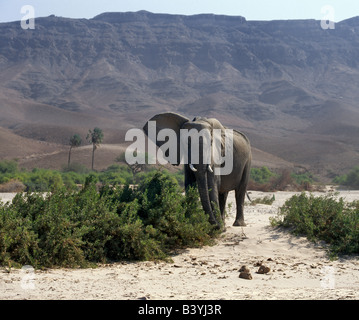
{"x":290,"y":85}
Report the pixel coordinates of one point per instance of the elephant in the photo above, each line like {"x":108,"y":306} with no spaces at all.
{"x":213,"y":188}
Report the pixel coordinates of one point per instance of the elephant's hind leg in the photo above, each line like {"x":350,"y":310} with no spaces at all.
{"x":240,"y":195}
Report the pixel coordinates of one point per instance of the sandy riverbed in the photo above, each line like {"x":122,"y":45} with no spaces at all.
{"x":298,"y":269}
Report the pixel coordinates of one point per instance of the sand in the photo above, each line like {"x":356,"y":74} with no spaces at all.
{"x":298,"y":269}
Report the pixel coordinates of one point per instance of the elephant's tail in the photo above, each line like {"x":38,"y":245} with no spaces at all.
{"x":248,"y":196}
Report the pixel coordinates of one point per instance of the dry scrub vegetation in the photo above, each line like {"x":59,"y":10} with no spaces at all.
{"x":74,"y":228}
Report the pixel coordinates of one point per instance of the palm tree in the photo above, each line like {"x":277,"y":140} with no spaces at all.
{"x":75,"y":141}
{"x":95,"y":137}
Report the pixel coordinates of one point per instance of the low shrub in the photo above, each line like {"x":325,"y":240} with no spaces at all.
{"x":262,"y":179}
{"x":351,"y":179}
{"x":261,"y":175}
{"x":116,"y":174}
{"x":267,"y":200}
{"x":323,"y":218}
{"x":8,"y":167}
{"x":74,"y":228}
{"x":41,"y":180}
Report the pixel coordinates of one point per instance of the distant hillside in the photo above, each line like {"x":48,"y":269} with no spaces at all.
{"x":290,"y":85}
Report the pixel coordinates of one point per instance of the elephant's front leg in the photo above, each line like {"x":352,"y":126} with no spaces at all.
{"x":213,"y":182}
{"x":190,"y":178}
{"x":222,"y":204}
{"x":240,"y":195}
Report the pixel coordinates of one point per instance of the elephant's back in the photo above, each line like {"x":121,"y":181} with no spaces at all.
{"x":240,"y":135}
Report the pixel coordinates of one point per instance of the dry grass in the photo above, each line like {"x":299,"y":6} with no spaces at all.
{"x":12,"y":186}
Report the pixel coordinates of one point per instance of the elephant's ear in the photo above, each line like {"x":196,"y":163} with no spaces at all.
{"x":168,"y":120}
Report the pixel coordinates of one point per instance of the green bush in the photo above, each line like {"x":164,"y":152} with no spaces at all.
{"x":36,"y":180}
{"x":261,"y":175}
{"x":116,"y":174}
{"x":262,"y":179}
{"x":303,"y":178}
{"x":8,"y":167}
{"x":180,"y":219}
{"x":71,"y":228}
{"x":351,"y":179}
{"x":72,"y":179}
{"x":42,"y":180}
{"x":323,"y":218}
{"x":8,"y":171}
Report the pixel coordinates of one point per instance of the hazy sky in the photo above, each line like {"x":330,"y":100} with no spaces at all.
{"x":250,"y":9}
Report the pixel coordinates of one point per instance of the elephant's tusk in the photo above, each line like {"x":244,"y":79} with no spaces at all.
{"x":210,"y":168}
{"x":192,"y":168}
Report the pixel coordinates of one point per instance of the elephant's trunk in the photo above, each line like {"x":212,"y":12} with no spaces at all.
{"x":202,"y":183}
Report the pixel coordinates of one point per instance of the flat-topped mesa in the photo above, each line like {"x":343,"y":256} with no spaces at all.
{"x":157,"y":18}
